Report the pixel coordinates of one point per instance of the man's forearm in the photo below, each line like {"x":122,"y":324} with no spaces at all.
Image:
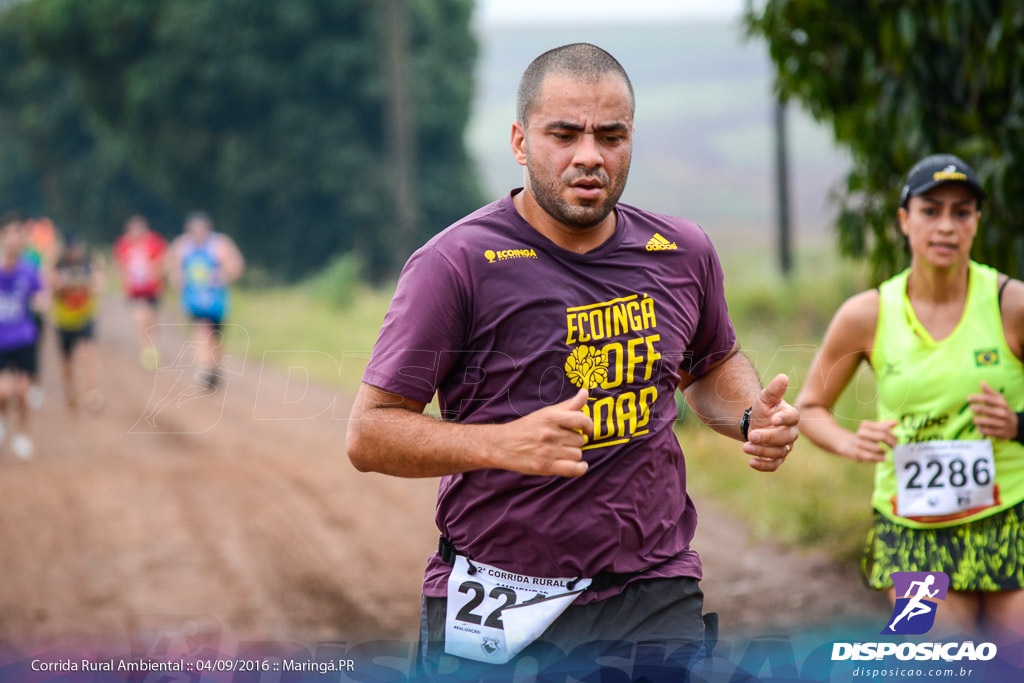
{"x":403,"y":443}
{"x":719,"y":397}
{"x":390,"y":434}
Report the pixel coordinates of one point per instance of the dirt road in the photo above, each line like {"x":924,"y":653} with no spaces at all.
{"x":236,"y":516}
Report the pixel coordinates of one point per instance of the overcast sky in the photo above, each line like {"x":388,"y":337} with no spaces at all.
{"x":496,"y":12}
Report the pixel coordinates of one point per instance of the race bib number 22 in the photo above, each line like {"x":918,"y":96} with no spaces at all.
{"x":493,"y":614}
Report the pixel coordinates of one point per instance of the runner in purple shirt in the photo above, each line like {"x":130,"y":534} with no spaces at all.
{"x":19,"y":287}
{"x":554,"y":327}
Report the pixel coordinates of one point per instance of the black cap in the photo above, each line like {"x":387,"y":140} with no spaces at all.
{"x":937,"y":169}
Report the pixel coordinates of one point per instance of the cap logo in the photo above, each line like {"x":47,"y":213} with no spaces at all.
{"x":949,"y":173}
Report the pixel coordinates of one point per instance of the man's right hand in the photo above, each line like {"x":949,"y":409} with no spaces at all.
{"x":546,"y":442}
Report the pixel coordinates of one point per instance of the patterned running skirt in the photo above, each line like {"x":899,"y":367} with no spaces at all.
{"x":984,"y":555}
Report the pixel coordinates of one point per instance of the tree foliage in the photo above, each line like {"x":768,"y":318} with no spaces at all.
{"x":897,"y":81}
{"x":52,"y":161}
{"x":269,"y":115}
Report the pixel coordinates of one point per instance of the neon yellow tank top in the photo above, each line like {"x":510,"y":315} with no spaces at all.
{"x":74,"y":305}
{"x":924,"y":384}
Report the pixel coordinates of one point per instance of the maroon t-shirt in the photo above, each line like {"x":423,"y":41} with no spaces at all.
{"x":500,"y":322}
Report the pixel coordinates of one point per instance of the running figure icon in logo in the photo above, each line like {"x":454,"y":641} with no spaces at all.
{"x":918,"y":601}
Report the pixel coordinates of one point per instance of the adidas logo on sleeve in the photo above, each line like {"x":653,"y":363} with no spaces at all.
{"x":659,"y":243}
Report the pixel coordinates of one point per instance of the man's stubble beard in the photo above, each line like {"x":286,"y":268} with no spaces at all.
{"x":548,"y":196}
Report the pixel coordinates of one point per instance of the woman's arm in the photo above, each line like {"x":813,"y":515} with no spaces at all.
{"x":847,"y":342}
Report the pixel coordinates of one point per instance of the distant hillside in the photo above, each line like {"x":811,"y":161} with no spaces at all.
{"x":704,"y":144}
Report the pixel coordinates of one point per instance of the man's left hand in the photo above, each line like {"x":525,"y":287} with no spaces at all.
{"x":773,"y":427}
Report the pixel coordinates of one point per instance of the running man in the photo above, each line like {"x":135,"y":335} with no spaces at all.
{"x":21,"y":291}
{"x":139,"y":253}
{"x":915,"y":607}
{"x":202,"y":265}
{"x":40,"y":252}
{"x":75,"y":283}
{"x":555,"y":326}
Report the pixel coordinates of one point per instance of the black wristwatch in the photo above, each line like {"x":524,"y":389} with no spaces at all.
{"x":745,"y":423}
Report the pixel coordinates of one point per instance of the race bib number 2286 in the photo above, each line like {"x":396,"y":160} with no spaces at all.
{"x":943,"y":477}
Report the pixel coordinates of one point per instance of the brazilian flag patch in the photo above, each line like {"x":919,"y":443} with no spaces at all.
{"x":986,"y":357}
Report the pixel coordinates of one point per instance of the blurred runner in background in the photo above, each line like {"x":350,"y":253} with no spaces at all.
{"x":76,"y":282}
{"x":21,"y":291}
{"x":40,"y":236}
{"x":202,"y":263}
{"x":140,"y":253}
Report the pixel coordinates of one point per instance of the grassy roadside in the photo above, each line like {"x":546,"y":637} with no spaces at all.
{"x":290,"y":327}
{"x":816,"y":499}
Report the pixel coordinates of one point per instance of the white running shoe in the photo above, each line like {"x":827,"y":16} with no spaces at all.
{"x":35,"y":397}
{"x":22,"y":446}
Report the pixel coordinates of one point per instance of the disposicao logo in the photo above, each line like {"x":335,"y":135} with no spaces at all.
{"x":917,"y":594}
{"x":914,"y":613}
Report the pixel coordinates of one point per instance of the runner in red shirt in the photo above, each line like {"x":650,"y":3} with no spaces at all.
{"x":139,"y":253}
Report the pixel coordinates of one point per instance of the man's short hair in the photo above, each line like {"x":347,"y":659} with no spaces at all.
{"x":198,"y":216}
{"x":581,"y":61}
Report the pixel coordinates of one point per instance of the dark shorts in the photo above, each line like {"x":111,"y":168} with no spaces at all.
{"x":40,"y":320}
{"x":151,"y":300}
{"x":983,"y":555}
{"x":69,"y":338}
{"x":216,"y":325}
{"x":21,"y":359}
{"x":665,"y":615}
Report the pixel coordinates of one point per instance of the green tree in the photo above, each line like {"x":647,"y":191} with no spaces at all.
{"x":270,"y":115}
{"x":53,"y":160}
{"x":897,"y":81}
